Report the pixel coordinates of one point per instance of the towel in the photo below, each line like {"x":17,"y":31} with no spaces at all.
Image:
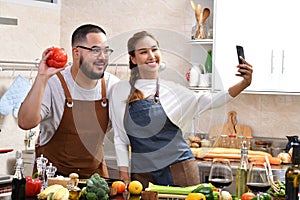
{"x":14,"y":96}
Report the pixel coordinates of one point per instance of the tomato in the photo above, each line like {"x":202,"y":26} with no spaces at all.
{"x":247,"y":196}
{"x":33,"y":186}
{"x":120,"y":186}
{"x":58,"y":58}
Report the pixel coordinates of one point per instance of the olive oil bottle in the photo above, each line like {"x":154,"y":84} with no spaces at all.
{"x":292,"y":175}
{"x":19,"y":181}
{"x":241,"y":173}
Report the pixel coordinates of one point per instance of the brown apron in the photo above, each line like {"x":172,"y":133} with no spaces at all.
{"x":184,"y":173}
{"x":77,"y":145}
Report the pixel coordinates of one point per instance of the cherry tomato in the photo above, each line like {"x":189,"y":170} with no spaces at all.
{"x":58,"y":58}
{"x":247,"y":196}
{"x":33,"y":186}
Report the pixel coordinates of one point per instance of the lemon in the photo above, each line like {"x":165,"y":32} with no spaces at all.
{"x":135,"y":187}
{"x":195,"y":196}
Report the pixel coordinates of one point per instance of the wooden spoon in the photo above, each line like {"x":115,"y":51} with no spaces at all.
{"x":198,"y":15}
{"x":205,"y":14}
{"x":203,"y":18}
{"x":193,"y":5}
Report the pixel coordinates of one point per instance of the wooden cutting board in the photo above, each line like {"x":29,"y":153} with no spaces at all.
{"x":231,"y":128}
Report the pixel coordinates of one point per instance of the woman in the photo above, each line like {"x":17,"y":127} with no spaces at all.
{"x":150,"y":115}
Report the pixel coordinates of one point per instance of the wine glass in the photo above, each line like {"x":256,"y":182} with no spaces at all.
{"x":220,"y":174}
{"x":258,"y":179}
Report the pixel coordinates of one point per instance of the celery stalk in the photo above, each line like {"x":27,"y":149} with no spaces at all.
{"x":171,"y":189}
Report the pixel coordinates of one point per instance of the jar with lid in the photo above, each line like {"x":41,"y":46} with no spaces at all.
{"x":224,"y":142}
{"x":232,"y":143}
{"x":240,"y":139}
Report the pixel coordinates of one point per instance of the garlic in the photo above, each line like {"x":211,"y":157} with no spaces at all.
{"x":285,"y":157}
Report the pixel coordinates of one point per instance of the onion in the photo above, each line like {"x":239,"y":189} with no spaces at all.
{"x":285,"y":157}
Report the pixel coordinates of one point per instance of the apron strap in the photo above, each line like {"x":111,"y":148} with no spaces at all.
{"x":103,"y":88}
{"x":66,"y":90}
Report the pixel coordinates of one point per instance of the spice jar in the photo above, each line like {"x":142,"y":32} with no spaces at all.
{"x":224,"y":141}
{"x":240,"y":139}
{"x":232,"y":143}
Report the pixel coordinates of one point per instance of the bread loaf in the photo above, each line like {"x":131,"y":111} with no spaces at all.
{"x":231,"y":153}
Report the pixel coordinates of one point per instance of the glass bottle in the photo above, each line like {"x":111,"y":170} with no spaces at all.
{"x":241,"y":173}
{"x":292,"y":175}
{"x":208,"y":62}
{"x":19,"y":181}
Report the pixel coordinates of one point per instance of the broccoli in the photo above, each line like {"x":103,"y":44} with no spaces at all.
{"x":91,"y":196}
{"x":96,"y":188}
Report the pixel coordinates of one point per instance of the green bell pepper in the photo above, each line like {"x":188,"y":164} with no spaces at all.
{"x":205,"y":189}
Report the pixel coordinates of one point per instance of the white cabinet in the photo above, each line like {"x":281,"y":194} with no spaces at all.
{"x":267,"y":29}
{"x":200,"y":47}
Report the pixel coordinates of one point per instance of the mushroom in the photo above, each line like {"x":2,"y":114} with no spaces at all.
{"x":73,"y":179}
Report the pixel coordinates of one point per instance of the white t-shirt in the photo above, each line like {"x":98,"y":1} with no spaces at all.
{"x":54,"y":100}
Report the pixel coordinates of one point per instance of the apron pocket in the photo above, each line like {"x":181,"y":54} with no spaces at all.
{"x":185,"y":173}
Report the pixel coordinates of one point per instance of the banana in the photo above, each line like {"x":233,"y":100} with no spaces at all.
{"x":49,"y":191}
{"x":61,"y":194}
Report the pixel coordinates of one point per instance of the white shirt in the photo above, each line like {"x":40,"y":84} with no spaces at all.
{"x":54,"y":100}
{"x":179,"y":103}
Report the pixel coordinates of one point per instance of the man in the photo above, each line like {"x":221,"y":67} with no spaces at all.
{"x":71,"y":106}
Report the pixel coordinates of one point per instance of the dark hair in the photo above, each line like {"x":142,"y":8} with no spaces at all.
{"x":132,"y":42}
{"x":79,"y":35}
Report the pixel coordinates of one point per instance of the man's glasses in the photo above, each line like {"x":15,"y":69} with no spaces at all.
{"x":97,"y":50}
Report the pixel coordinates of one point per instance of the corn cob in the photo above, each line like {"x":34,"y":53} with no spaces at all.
{"x":61,"y":194}
{"x":49,"y":191}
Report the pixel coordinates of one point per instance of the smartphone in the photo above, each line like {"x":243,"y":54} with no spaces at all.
{"x":240,"y":52}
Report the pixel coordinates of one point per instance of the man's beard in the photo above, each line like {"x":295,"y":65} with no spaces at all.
{"x":92,"y":75}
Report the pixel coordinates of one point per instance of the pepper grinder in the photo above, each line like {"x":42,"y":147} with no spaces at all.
{"x":41,"y":163}
{"x":50,"y":172}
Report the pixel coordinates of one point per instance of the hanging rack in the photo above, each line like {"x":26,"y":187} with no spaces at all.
{"x":19,"y":65}
{"x":23,"y":65}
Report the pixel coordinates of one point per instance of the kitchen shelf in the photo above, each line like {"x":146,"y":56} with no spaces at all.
{"x":201,"y":41}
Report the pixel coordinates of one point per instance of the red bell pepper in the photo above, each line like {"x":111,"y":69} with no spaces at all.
{"x":33,"y":186}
